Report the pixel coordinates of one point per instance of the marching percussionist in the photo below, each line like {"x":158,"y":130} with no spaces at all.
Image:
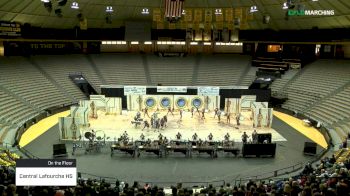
{"x":210,"y":136}
{"x":142,"y":137}
{"x":255,"y":137}
{"x":160,"y":137}
{"x":192,"y":111}
{"x":245,"y":137}
{"x":227,"y":137}
{"x":194,"y":137}
{"x":170,"y":111}
{"x":178,"y":136}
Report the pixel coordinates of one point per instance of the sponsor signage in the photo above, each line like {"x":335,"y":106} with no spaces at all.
{"x":172,"y":89}
{"x":134,"y":90}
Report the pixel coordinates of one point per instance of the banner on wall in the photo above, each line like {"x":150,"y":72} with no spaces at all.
{"x":171,"y":89}
{"x":208,"y":90}
{"x":10,"y":29}
{"x":134,"y":90}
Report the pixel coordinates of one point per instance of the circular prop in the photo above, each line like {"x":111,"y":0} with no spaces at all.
{"x":150,"y":102}
{"x":197,"y":102}
{"x":181,"y":102}
{"x":165,"y":102}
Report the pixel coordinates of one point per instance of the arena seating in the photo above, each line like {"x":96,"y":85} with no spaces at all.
{"x":334,"y":110}
{"x":330,"y":177}
{"x":59,"y":69}
{"x":248,"y":78}
{"x":279,"y":83}
{"x":316,"y":81}
{"x":222,"y":70}
{"x":121,"y":69}
{"x":20,"y":77}
{"x":171,"y":70}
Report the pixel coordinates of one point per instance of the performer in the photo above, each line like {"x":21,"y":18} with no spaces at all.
{"x":216,"y":112}
{"x":197,"y":109}
{"x":255,"y":137}
{"x":145,"y":112}
{"x":228,"y":118}
{"x":162,"y":123}
{"x":160,"y":137}
{"x":203,"y":111}
{"x":245,"y":138}
{"x":145,"y":125}
{"x":194,"y":137}
{"x":219,"y":115}
{"x":138,"y":115}
{"x":192,"y":111}
{"x":181,"y":114}
{"x":178,"y":136}
{"x":165,"y":120}
{"x":142,"y":137}
{"x":170,"y":111}
{"x":260,"y":117}
{"x":237,"y":118}
{"x":210,"y":136}
{"x":158,"y":124}
{"x":227,"y":137}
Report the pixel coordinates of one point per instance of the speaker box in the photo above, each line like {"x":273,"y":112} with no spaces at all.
{"x":310,"y":148}
{"x":59,"y":150}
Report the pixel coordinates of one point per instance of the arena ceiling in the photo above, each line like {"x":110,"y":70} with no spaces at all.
{"x":34,"y":12}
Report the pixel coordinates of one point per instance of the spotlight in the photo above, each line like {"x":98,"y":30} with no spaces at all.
{"x":62,"y":2}
{"x":109,"y":9}
{"x":145,"y":11}
{"x":285,"y":6}
{"x":253,"y":9}
{"x":218,"y":11}
{"x":75,"y":5}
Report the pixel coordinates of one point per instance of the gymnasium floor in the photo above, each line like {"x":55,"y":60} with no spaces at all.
{"x":178,"y":168}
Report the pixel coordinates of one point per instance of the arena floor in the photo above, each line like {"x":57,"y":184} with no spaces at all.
{"x":113,"y":126}
{"x":177,"y":168}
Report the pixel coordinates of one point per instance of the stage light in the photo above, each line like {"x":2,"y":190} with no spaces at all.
{"x":145,"y":11}
{"x":75,"y":5}
{"x":183,"y":12}
{"x":109,"y":9}
{"x":253,"y":9}
{"x":207,"y":43}
{"x":285,"y":6}
{"x":314,"y":0}
{"x":62,"y":2}
{"x":134,"y":42}
{"x":147,"y":42}
{"x":218,"y":11}
{"x":45,"y":1}
{"x":193,"y":43}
